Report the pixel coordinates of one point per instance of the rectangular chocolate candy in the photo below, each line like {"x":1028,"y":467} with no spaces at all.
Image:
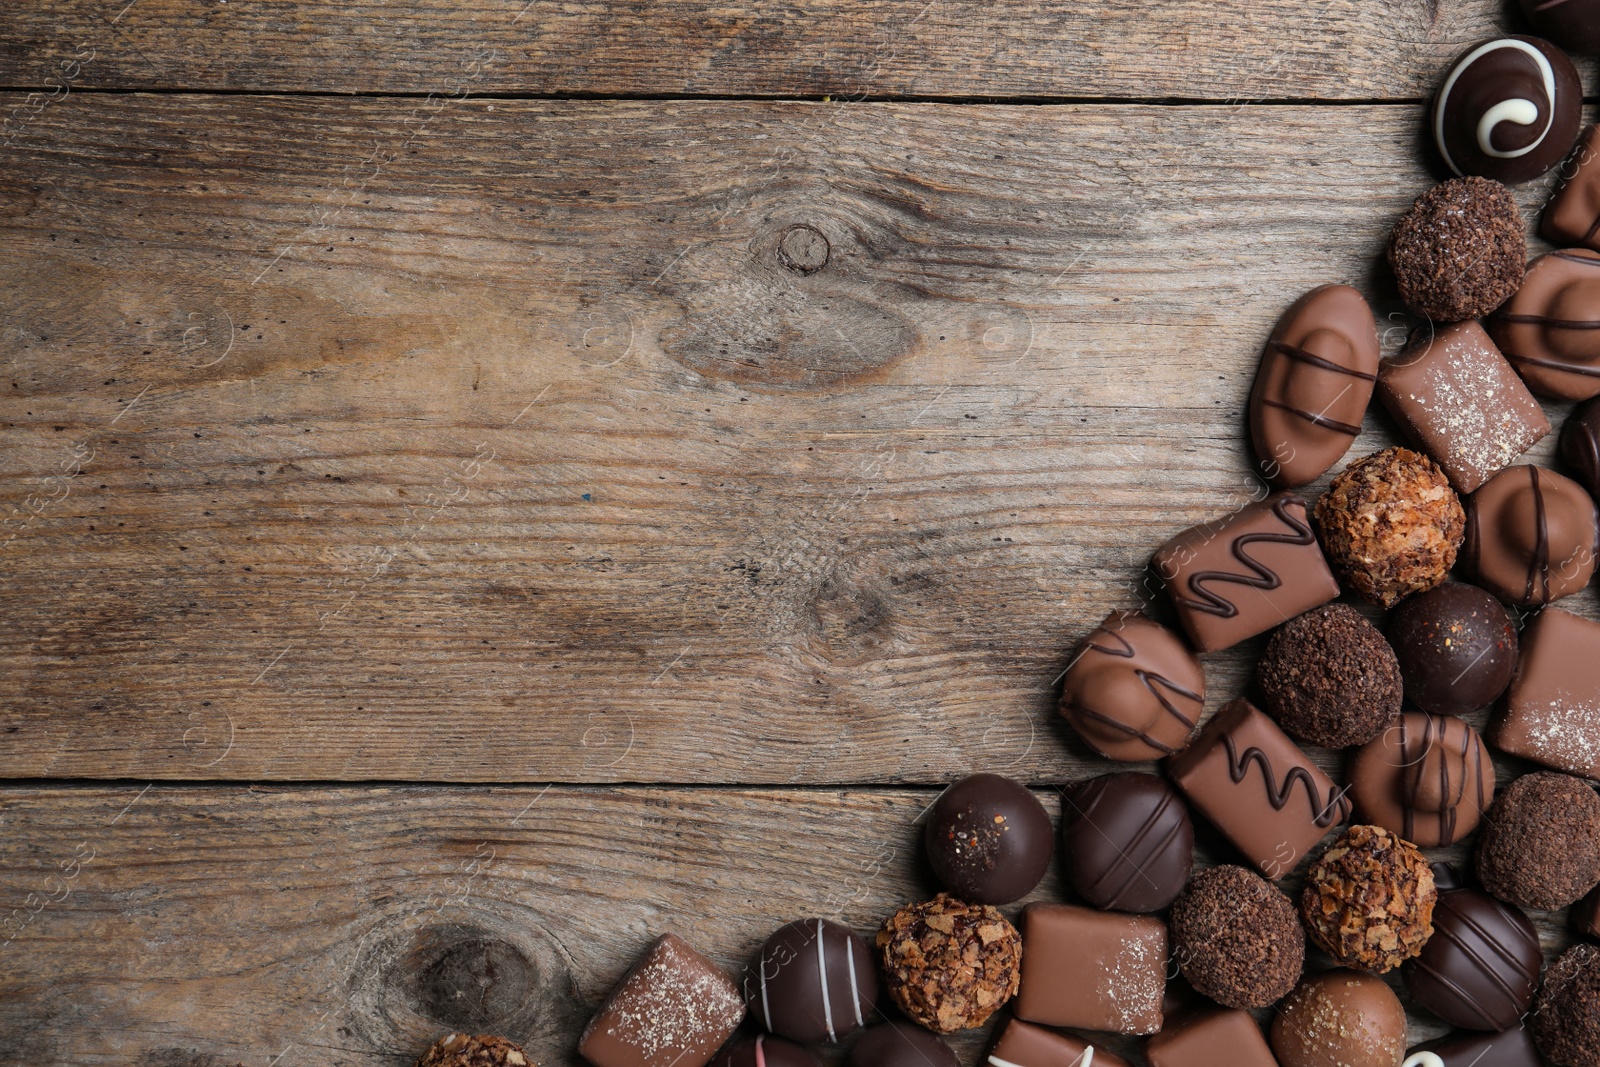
{"x":1096,"y":970}
{"x":1244,"y":574}
{"x":1222,"y":1038}
{"x":1020,"y":1044}
{"x":1551,"y":713}
{"x":1258,"y":788}
{"x":675,"y":1008}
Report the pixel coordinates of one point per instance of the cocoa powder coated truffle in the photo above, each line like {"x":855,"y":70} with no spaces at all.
{"x":1368,"y":901}
{"x":1330,"y":678}
{"x":1540,"y":845}
{"x":950,"y":965}
{"x":1390,"y":525}
{"x":1237,"y":939}
{"x":465,"y":1050}
{"x":1460,"y":251}
{"x":1566,"y":1017}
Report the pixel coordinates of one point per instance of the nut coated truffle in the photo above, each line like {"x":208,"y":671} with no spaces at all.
{"x":1540,"y":844}
{"x":465,"y":1050}
{"x":989,"y":839}
{"x":1330,"y":678}
{"x":1237,"y":939}
{"x":1460,"y":251}
{"x":1566,"y":1017}
{"x":1368,"y":901}
{"x":950,"y":965}
{"x":1391,"y":525}
{"x":1340,"y":1019}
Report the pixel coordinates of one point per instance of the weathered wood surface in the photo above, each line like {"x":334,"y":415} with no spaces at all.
{"x":207,"y":926}
{"x":644,"y":441}
{"x":1232,"y":49}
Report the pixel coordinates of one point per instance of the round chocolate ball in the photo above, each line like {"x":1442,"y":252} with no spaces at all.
{"x":1461,"y":251}
{"x":1580,"y":445}
{"x":1532,"y":535}
{"x":1566,"y":1019}
{"x":1330,"y":678}
{"x":895,"y":1044}
{"x":813,"y":981}
{"x":1236,"y":938}
{"x":1340,"y":1017}
{"x":1134,"y":691}
{"x":1509,"y":109}
{"x":1480,"y":968}
{"x":949,"y":965}
{"x":1428,"y":778}
{"x":1368,"y":900}
{"x":1540,"y":845}
{"x":1128,"y":841}
{"x":765,"y":1051}
{"x":989,"y":839}
{"x":469,"y":1050}
{"x":1571,"y":24}
{"x":1457,"y":647}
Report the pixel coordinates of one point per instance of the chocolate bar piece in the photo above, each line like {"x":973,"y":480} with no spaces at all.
{"x":1264,"y":794}
{"x":1552,"y":710}
{"x":1020,"y":1044}
{"x":675,"y":1008}
{"x":1092,"y":969}
{"x":1224,"y":1038}
{"x":1244,"y":574}
{"x":1512,"y":1048}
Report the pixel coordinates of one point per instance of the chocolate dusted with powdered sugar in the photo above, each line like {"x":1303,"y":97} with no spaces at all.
{"x":675,"y":1008}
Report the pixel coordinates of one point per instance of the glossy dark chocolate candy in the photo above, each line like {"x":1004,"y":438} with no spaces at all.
{"x":1532,"y":535}
{"x":1580,"y":445}
{"x":1128,"y":841}
{"x":1480,"y":968}
{"x":1264,"y":794}
{"x":813,"y":981}
{"x":1221,"y":1038}
{"x":1095,"y":970}
{"x":675,"y":1008}
{"x":765,"y":1051}
{"x":1313,"y":385}
{"x":1134,"y":691}
{"x":1550,"y":328}
{"x":1585,"y":915}
{"x":1244,"y":574}
{"x":1551,"y":713}
{"x":1509,"y":109}
{"x":1020,"y":1044}
{"x":1427,"y":779}
{"x":989,"y":840}
{"x":1457,"y":647}
{"x":1509,"y":1048}
{"x":1571,"y":24}
{"x":900,"y":1044}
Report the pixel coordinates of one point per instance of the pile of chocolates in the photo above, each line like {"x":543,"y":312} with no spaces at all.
{"x":1390,"y":530}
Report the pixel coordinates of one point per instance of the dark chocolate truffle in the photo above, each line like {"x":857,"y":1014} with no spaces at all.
{"x":1128,"y":841}
{"x":1566,"y":1019}
{"x":989,"y":839}
{"x":1480,"y":968}
{"x":1368,"y":900}
{"x":765,"y":1051}
{"x":1457,"y":647}
{"x":1532,"y":536}
{"x":1390,"y":525}
{"x":1330,"y":678}
{"x":1237,"y":938}
{"x":1134,"y":691}
{"x":1571,"y":24}
{"x":465,"y":1050}
{"x":1580,"y":445}
{"x":1540,"y":845}
{"x":1428,"y":778}
{"x":1460,"y":251}
{"x":813,"y":981}
{"x":1340,"y":1018}
{"x":895,"y":1044}
{"x":1509,"y":109}
{"x":950,"y":965}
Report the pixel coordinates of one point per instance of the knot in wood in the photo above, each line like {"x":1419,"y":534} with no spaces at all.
{"x":469,"y":979}
{"x":803,"y":249}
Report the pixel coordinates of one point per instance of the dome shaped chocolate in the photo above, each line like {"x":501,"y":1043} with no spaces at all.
{"x":1480,"y":969}
{"x":812,"y":982}
{"x":1457,"y":647}
{"x":765,"y":1051}
{"x":989,"y":839}
{"x":1128,"y":841}
{"x":1532,"y":535}
{"x":1509,"y":109}
{"x":1134,"y":691}
{"x":1429,"y":779}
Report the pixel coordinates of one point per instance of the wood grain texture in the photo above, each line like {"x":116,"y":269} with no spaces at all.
{"x":352,"y":926}
{"x":628,"y":441}
{"x":1228,"y":50}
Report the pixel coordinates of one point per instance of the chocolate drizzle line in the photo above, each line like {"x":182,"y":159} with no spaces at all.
{"x":1416,"y":762}
{"x":1300,"y":355}
{"x":1155,"y":683}
{"x":1303,"y":356}
{"x":1485,"y":966}
{"x":1261,"y":577}
{"x":1132,"y":868}
{"x":1314,"y":419}
{"x":1556,"y":364}
{"x":1539,"y":565}
{"x":1337,"y":809}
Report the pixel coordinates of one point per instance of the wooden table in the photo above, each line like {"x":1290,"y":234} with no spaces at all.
{"x":488,"y":481}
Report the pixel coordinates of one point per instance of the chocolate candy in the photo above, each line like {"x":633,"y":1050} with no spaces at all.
{"x":1512,"y":1048}
{"x":1092,"y":969}
{"x":1509,"y":109}
{"x":1552,"y":713}
{"x":473,"y":1050}
{"x":1261,"y":791}
{"x":765,"y":1051}
{"x":1224,"y":1038}
{"x":1457,"y":399}
{"x":675,"y":1008}
{"x":1134,"y":691}
{"x":1128,"y":841}
{"x":988,"y":839}
{"x":1585,"y":916}
{"x":1020,"y":1044}
{"x":898,"y":1044}
{"x":813,"y":981}
{"x":1572,"y":24}
{"x":1428,"y":779}
{"x":1340,"y":1017}
{"x":1550,"y":328}
{"x":1480,"y":968}
{"x":1532,"y":535}
{"x":1540,"y":843}
{"x":1460,"y":251}
{"x":1237,"y":938}
{"x":1313,"y":385}
{"x":1573,"y":215}
{"x":1566,"y":1017}
{"x":1457,"y":648}
{"x":1580,"y":445}
{"x":1244,"y":574}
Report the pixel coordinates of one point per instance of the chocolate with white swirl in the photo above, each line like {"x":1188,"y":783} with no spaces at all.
{"x":1509,"y":109}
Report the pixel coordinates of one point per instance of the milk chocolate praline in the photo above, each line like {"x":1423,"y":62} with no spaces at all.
{"x":1457,"y":647}
{"x":1128,"y":841}
{"x":1428,"y":778}
{"x":1580,"y":445}
{"x":1341,"y":1018}
{"x":1134,"y":691}
{"x":765,"y":1051}
{"x":949,"y":965}
{"x":1460,"y":251}
{"x":1330,"y":678}
{"x":468,"y":1050}
{"x":989,"y":839}
{"x":1566,"y":1017}
{"x":1236,"y":938}
{"x":1480,"y":968}
{"x":1540,"y":845}
{"x":1532,"y":536}
{"x":1368,"y":900}
{"x":1550,"y":330}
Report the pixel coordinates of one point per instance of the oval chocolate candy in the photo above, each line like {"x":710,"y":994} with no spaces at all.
{"x":1312,"y":388}
{"x":1550,"y":330}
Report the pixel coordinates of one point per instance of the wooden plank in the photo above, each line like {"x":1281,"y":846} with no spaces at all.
{"x":351,"y":926}
{"x":1205,"y":49}
{"x":528,"y":445}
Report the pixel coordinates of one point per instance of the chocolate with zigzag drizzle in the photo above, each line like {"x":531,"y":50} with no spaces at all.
{"x":1259,"y":788}
{"x":1134,"y":691}
{"x":1550,"y":329}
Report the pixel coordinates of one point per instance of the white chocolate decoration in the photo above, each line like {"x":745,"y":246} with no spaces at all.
{"x":1517,"y":110}
{"x":1423,"y":1059}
